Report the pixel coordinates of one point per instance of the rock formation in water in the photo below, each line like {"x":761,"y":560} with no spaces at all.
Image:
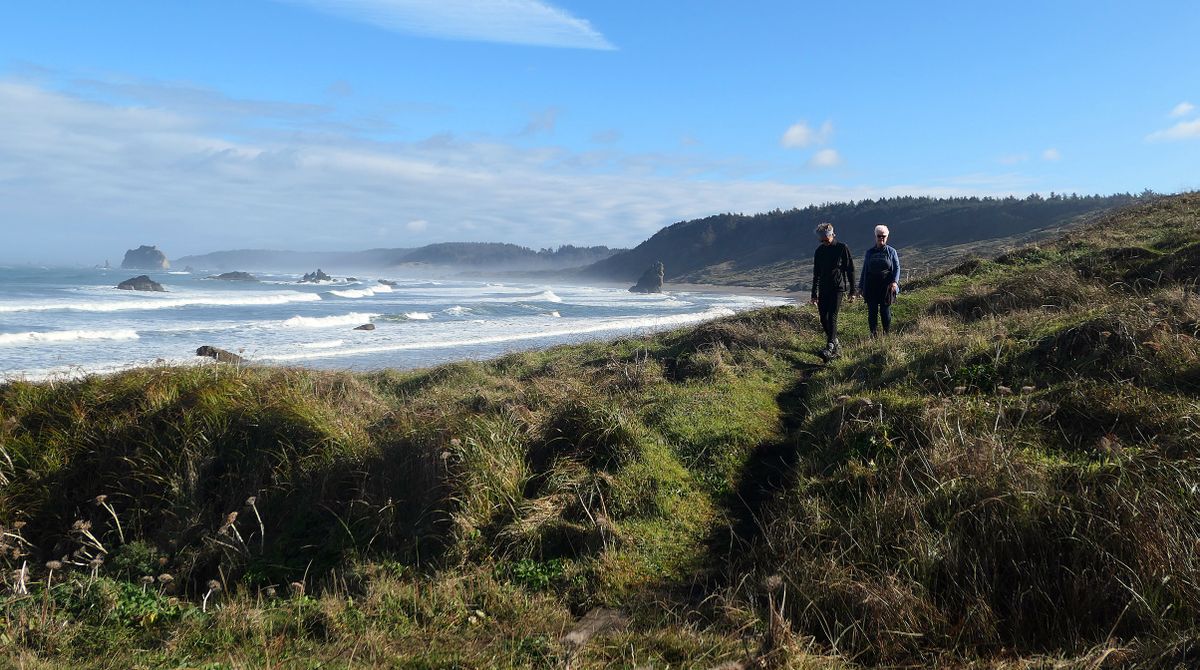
{"x":145,"y":257}
{"x":365,"y":326}
{"x":314,"y":277}
{"x":141,"y":283}
{"x":651,"y":281}
{"x":234,"y":276}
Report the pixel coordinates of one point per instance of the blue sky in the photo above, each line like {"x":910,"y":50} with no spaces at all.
{"x":351,"y":124}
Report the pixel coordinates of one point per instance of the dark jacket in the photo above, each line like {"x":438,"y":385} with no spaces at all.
{"x":833,"y":270}
{"x":880,"y":269}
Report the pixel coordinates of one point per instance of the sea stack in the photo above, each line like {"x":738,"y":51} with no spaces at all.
{"x":145,"y":257}
{"x":314,"y":277}
{"x":141,"y":283}
{"x":651,"y":281}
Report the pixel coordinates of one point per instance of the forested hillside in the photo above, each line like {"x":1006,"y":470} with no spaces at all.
{"x":775,"y":249}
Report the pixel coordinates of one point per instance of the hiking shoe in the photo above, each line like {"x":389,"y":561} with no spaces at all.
{"x":835,"y":347}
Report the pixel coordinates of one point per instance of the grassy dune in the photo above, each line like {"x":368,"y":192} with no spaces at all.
{"x":1010,"y":480}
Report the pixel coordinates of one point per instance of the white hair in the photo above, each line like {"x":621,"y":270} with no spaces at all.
{"x":823,"y":228}
{"x":882,"y":229}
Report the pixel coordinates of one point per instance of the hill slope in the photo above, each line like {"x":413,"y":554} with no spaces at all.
{"x":775,"y":249}
{"x":1008,"y":481}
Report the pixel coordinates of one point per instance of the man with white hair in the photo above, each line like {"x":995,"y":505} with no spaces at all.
{"x":880,"y":281}
{"x":833,"y":274}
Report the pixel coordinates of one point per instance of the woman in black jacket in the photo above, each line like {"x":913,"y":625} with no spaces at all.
{"x":833,"y":274}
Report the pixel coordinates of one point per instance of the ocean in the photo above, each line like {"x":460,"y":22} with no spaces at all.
{"x":69,"y":322}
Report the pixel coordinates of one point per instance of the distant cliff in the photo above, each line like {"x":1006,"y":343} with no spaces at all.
{"x":145,"y":257}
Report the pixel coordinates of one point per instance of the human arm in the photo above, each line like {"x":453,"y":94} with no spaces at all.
{"x":849,"y":260}
{"x":895,"y":270}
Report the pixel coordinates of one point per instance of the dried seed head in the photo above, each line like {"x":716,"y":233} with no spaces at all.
{"x":251,"y":500}
{"x":1003,"y":390}
{"x":147,"y":579}
{"x":162,"y":560}
{"x":214,"y":586}
{"x":959,"y":390}
{"x":99,"y":500}
{"x":269,"y":592}
{"x":96,"y":562}
{"x":773,"y":583}
{"x":81,"y":526}
{"x":165,"y":578}
{"x":297,"y":588}
{"x":54,"y":565}
{"x":230,"y":518}
{"x":18,"y":525}
{"x":1028,"y":389}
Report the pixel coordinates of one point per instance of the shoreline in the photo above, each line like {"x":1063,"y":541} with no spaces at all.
{"x":731,"y":289}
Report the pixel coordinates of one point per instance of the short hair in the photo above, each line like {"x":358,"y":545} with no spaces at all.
{"x":823,"y":228}
{"x":882,"y":229}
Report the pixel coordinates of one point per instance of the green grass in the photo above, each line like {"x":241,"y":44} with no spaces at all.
{"x":1009,"y":480}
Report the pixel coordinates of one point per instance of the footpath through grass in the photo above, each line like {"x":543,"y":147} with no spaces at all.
{"x":1009,"y":480}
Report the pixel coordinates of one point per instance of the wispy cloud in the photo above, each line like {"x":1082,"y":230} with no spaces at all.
{"x":82,"y":179}
{"x":825,"y":158}
{"x":800,"y":135}
{"x":1182,"y":109}
{"x":1051,"y":154}
{"x":542,"y":122}
{"x":1012,"y":159}
{"x":1184,"y":130}
{"x":528,"y":22}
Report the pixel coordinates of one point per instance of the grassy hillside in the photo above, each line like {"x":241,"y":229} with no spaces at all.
{"x":775,"y":249}
{"x":1010,"y":480}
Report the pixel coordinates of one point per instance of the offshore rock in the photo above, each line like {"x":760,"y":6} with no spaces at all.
{"x":141,"y":283}
{"x":651,"y":281}
{"x":234,"y":276}
{"x":314,"y":277}
{"x":221,"y":355}
{"x":365,"y":326}
{"x":145,"y":257}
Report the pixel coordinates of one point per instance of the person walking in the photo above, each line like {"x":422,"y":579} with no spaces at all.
{"x":833,"y":274}
{"x":880,"y":281}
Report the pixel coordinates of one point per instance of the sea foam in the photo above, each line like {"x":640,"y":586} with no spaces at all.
{"x":16,"y":339}
{"x":351,"y":319}
{"x":113,"y":304}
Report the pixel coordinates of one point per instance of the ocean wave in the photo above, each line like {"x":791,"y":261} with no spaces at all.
{"x":362,"y":292}
{"x":14,"y":339}
{"x":351,"y":319}
{"x":418,"y":316}
{"x":121,"y":305}
{"x":457,"y":310}
{"x":625,"y":325}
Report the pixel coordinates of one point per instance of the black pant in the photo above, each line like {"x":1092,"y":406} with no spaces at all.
{"x":876,"y":311}
{"x":828,"y":305}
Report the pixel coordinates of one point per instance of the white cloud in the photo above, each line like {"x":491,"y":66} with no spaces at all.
{"x":1184,"y":130}
{"x":1012,"y":159}
{"x":1051,"y":154}
{"x":825,"y":158}
{"x":799,"y":135}
{"x":528,"y":22}
{"x":1182,"y":109}
{"x":82,"y":180}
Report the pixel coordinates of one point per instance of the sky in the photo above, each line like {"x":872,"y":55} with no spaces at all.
{"x":356,"y":124}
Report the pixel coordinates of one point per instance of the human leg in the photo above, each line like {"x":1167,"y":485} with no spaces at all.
{"x":873,"y":317}
{"x":885,"y":313}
